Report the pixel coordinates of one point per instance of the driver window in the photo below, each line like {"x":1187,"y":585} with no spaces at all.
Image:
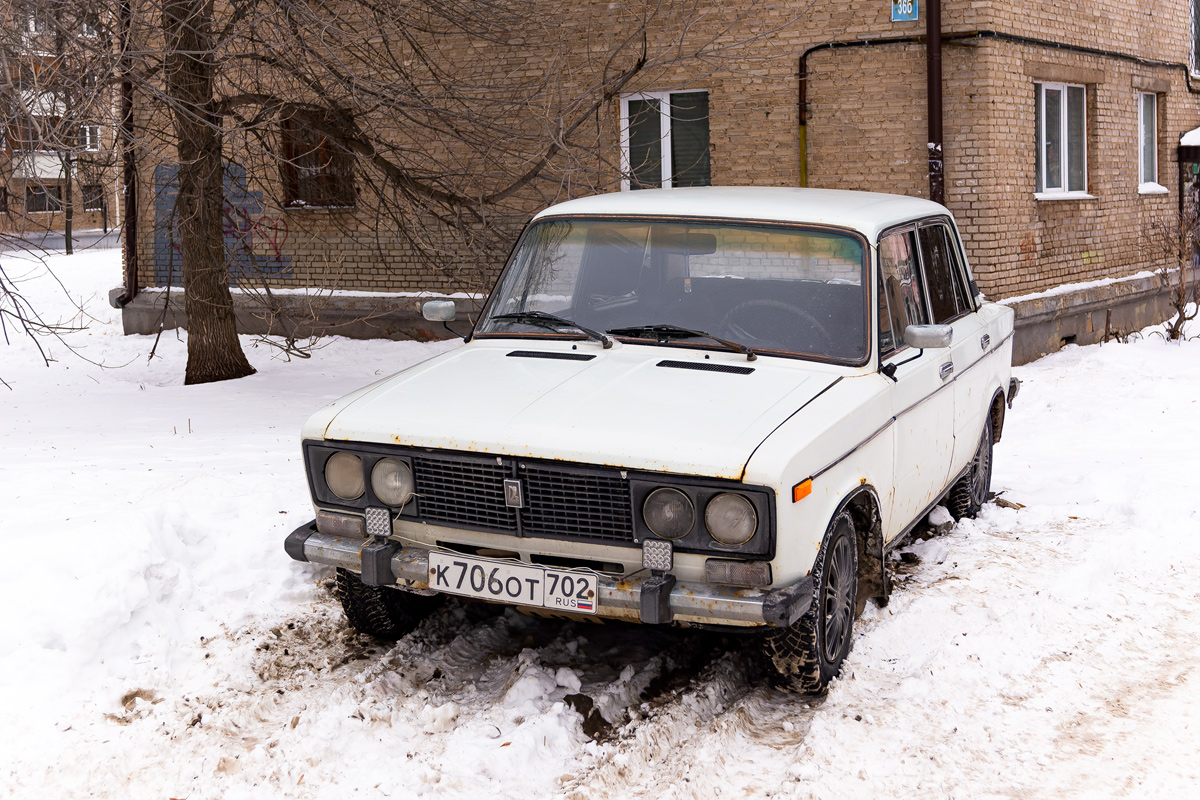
{"x":900,"y":291}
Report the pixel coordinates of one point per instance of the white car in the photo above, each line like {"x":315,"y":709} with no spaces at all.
{"x":710,"y":406}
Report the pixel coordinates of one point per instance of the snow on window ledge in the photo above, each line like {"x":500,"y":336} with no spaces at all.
{"x":1063,"y":196}
{"x":1152,"y":188}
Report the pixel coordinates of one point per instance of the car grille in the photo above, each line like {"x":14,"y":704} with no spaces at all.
{"x":562,"y":502}
{"x":463,"y":492}
{"x":558,"y":503}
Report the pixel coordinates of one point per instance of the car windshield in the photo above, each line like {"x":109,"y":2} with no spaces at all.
{"x":768,"y":288}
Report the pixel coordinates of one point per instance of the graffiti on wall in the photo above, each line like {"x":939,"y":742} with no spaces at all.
{"x":254,"y":240}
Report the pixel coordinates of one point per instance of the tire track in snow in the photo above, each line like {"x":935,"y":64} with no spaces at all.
{"x":272,"y":693}
{"x":693,"y":740}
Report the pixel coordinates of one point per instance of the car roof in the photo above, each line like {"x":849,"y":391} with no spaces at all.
{"x":867,"y":212}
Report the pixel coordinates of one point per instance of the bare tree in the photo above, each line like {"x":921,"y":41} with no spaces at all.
{"x":51,"y":112}
{"x":190,"y":72}
{"x":1177,"y":239}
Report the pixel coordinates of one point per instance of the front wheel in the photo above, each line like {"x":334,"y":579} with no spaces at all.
{"x":969,"y":494}
{"x":380,"y":611}
{"x":808,"y":655}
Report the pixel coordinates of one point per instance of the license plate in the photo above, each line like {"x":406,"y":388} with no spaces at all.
{"x":504,"y":581}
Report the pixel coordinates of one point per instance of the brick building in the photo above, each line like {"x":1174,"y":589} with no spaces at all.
{"x":1061,"y":125}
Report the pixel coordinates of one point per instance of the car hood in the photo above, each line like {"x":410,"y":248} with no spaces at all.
{"x":633,"y":406}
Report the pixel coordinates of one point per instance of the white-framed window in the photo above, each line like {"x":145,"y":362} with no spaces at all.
{"x":1061,"y":121}
{"x":90,"y":134}
{"x":1148,"y":144}
{"x":36,"y":23}
{"x":664,"y":140}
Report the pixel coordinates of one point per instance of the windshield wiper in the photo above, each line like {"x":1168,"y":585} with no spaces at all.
{"x":665,"y":333}
{"x":554,"y":322}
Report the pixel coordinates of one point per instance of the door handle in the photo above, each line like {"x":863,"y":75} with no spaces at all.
{"x":984,"y":341}
{"x":947,"y":370}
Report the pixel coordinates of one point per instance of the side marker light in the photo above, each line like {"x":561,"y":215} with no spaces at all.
{"x":801,"y":490}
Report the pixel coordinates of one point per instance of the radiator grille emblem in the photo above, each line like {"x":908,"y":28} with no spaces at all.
{"x":514,"y":497}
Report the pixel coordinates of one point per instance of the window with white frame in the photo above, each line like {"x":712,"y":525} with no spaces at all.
{"x":1147,"y":140}
{"x":91,"y":137}
{"x":664,"y":140}
{"x":1061,"y":121}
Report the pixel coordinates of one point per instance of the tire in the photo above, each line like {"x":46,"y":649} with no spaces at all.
{"x":969,"y":494}
{"x":380,"y":611}
{"x":808,"y":655}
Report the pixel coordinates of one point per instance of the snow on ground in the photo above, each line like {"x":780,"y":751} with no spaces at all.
{"x":157,"y":642}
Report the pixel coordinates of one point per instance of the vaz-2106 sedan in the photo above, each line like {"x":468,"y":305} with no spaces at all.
{"x":711,"y":406}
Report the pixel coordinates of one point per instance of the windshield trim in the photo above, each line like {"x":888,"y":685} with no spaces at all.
{"x":530,"y":227}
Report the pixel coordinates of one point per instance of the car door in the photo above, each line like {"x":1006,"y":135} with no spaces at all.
{"x":922,"y":399}
{"x":951,"y":303}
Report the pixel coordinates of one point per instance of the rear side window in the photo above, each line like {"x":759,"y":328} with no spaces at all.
{"x":947,"y":294}
{"x":901,"y":296}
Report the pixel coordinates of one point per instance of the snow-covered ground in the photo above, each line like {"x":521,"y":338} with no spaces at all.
{"x":157,"y":643}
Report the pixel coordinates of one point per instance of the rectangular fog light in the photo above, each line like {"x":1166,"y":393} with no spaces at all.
{"x":340,"y":524}
{"x":737,"y":573}
{"x":657,"y":555}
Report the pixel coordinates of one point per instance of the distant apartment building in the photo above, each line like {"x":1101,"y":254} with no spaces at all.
{"x":58,"y":169}
{"x":1060,"y":129}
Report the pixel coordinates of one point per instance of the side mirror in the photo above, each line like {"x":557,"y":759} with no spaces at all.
{"x":928,"y":337}
{"x":438,"y":310}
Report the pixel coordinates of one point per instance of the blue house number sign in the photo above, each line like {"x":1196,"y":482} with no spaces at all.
{"x":905,"y":11}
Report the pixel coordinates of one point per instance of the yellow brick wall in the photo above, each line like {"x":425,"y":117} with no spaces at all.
{"x":866,"y":130}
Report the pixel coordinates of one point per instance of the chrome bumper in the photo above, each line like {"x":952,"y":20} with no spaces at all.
{"x":624,"y":598}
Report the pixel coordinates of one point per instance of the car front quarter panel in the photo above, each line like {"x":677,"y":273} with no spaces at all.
{"x":844,"y":442}
{"x":316,"y":425}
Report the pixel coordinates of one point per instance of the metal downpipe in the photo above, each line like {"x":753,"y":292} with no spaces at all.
{"x":933,"y":75}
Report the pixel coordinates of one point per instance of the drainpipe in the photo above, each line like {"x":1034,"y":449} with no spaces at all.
{"x":804,"y":118}
{"x":129,"y":234}
{"x":933,"y":77}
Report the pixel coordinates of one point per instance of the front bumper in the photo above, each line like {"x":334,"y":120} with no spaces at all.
{"x":639,"y":599}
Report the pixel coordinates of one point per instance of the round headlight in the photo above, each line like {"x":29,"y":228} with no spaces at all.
{"x":731,"y":519}
{"x":392,"y":482}
{"x":669,"y":513}
{"x":344,"y":476}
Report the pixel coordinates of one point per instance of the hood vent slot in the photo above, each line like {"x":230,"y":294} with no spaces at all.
{"x":551,"y":354}
{"x":703,"y":367}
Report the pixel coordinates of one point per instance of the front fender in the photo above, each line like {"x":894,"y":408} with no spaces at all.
{"x":844,"y":443}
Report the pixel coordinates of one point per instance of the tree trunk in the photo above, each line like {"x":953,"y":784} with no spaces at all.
{"x":68,"y":204}
{"x":214,"y":353}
